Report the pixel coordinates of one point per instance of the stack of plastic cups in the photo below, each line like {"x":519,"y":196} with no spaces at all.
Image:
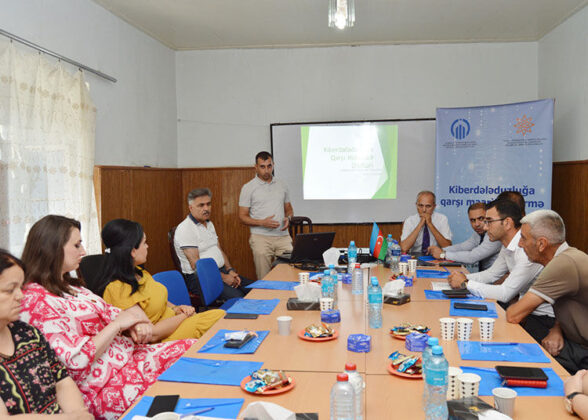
{"x":486,"y":328}
{"x":464,"y":329}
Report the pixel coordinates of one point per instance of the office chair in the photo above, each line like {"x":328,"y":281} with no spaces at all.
{"x":90,"y":269}
{"x":211,"y":283}
{"x":297,"y":224}
{"x":177,"y":292}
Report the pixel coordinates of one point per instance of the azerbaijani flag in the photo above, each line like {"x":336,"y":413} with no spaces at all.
{"x":378,"y":246}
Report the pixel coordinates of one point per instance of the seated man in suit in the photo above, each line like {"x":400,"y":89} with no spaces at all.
{"x":196,"y":238}
{"x":562,"y":283}
{"x":425,"y":228}
{"x":477,"y":249}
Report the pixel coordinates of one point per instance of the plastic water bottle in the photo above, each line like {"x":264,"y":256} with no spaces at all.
{"x":374,"y":304}
{"x":427,"y":354}
{"x":351,"y":256}
{"x":389,"y":241}
{"x":342,"y":399}
{"x":395,"y":257}
{"x":356,"y":381}
{"x":435,"y":393}
{"x":329,"y":287}
{"x":357,"y":281}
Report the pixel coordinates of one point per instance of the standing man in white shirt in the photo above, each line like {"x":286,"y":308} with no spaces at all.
{"x":425,"y":228}
{"x":264,"y":206}
{"x":477,"y":249}
{"x":503,"y":224}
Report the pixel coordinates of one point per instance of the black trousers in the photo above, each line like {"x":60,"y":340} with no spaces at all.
{"x":538,"y":326}
{"x":228,"y":292}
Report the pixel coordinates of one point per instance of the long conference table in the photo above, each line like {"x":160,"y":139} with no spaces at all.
{"x":314,"y":365}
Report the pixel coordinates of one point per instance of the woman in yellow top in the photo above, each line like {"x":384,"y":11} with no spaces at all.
{"x":126,"y":285}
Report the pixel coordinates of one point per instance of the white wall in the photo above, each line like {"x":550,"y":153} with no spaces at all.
{"x":563,"y":75}
{"x":136,"y":119}
{"x":228,"y":98}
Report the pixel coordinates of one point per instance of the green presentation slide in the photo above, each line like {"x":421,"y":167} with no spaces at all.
{"x":349,"y":162}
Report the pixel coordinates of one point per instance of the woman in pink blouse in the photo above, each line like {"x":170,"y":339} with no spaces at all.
{"x":102,"y":346}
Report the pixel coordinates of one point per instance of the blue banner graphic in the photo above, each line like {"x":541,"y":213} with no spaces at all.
{"x":485,"y":150}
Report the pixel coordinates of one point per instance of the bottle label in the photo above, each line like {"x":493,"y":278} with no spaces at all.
{"x":436,"y":377}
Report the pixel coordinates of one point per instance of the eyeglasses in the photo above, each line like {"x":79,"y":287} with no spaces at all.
{"x":488,"y":221}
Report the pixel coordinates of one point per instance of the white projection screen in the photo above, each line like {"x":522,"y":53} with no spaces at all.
{"x":355,"y":171}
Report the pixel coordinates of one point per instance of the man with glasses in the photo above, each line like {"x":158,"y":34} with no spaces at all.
{"x":425,"y":228}
{"x":477,"y":249}
{"x":503,"y":224}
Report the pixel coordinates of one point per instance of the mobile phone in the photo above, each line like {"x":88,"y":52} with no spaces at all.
{"x":241,"y":316}
{"x":163,"y":403}
{"x":237,"y":344}
{"x":518,"y":372}
{"x":455,"y":293}
{"x":472,"y":306}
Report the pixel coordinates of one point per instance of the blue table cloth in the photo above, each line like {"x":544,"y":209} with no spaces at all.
{"x":217,"y":342}
{"x":491,"y":380}
{"x":209,"y":371}
{"x":226,"y":408}
{"x":253,"y":306}
{"x":489,"y":313}
{"x":502,"y":352}
{"x":273,"y":285}
{"x":432,"y":274}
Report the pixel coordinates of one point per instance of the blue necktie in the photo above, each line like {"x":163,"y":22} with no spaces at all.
{"x":426,"y":239}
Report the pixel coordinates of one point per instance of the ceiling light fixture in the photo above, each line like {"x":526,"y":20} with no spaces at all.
{"x":341,"y":13}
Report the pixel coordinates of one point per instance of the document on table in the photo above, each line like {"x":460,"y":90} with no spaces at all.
{"x":440,"y":285}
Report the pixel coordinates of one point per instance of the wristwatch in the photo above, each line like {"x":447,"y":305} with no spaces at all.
{"x":568,"y":402}
{"x":442,"y":255}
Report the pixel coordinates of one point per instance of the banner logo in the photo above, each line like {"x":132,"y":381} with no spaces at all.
{"x":524,"y":125}
{"x":460,"y":129}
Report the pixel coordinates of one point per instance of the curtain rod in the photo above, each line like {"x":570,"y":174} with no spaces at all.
{"x":58,"y":56}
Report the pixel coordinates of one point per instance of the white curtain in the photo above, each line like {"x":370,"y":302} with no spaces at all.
{"x":47,"y":125}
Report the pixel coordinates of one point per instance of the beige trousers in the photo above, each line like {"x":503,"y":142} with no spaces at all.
{"x":265,"y":249}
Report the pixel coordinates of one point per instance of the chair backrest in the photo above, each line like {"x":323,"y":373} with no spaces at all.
{"x":172,"y":249}
{"x":297,"y":225}
{"x":177,"y":292}
{"x":90,"y":269}
{"x":211,"y":282}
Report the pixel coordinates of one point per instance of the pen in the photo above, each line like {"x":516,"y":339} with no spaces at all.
{"x":193,"y":413}
{"x":498,"y":344}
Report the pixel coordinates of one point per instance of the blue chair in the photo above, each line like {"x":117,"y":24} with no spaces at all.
{"x":177,"y":292}
{"x":211,"y":283}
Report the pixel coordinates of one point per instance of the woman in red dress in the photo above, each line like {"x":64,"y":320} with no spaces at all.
{"x":103,"y":348}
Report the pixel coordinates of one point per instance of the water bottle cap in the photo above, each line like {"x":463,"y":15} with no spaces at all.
{"x":342,"y":377}
{"x":374,"y":281}
{"x":437,"y":350}
{"x":389,"y":235}
{"x":331,"y":265}
{"x":352,"y":243}
{"x":350,"y":366}
{"x":326,"y":272}
{"x":433,"y":341}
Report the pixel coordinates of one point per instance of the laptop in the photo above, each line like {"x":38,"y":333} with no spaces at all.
{"x":309,"y":247}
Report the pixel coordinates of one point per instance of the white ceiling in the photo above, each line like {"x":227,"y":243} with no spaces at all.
{"x":214,"y":24}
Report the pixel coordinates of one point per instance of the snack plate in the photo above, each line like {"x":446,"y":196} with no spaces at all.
{"x":318,"y":339}
{"x":394,"y":372}
{"x":403,"y":337}
{"x":271,"y":391}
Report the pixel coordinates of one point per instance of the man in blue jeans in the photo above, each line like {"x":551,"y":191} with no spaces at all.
{"x":196,"y":238}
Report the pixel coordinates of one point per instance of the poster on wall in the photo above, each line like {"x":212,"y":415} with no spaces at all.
{"x":482,"y":151}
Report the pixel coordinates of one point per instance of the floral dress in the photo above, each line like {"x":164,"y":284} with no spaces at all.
{"x":28,"y":377}
{"x":112,"y":381}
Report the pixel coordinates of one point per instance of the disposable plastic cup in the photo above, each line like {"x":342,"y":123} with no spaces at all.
{"x":486,"y":328}
{"x":326,"y":304}
{"x":447,"y":328}
{"x":403,"y":268}
{"x":303,"y":277}
{"x":452,"y":383}
{"x":464,"y":328}
{"x":412,"y":266}
{"x":284,"y":325}
{"x":504,"y":400}
{"x":166,"y":415}
{"x":469,"y":384}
